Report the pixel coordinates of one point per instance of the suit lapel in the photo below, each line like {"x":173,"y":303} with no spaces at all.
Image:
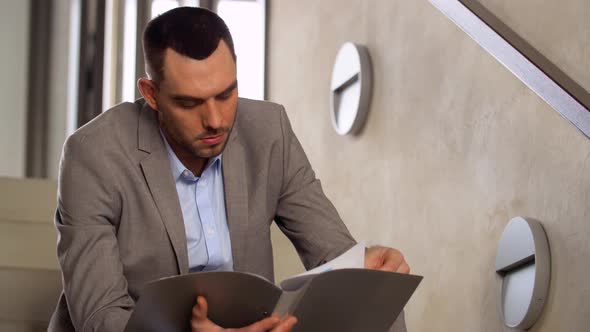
{"x":236,"y":198}
{"x":157,"y":173}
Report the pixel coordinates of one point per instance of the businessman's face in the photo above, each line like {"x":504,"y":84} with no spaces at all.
{"x":196,"y":102}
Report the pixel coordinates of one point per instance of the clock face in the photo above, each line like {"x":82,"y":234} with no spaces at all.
{"x":524,"y":264}
{"x":350,"y":91}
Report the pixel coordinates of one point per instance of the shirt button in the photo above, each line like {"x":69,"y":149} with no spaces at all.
{"x":210,"y":231}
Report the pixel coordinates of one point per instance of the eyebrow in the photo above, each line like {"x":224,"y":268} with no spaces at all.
{"x":230,"y":88}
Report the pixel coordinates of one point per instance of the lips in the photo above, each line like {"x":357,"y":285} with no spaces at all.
{"x":213,"y":140}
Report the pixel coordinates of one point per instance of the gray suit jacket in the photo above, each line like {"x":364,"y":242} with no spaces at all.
{"x":120,"y":223}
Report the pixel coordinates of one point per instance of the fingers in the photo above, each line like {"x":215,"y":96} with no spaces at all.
{"x":403,"y":268}
{"x":271,"y":324}
{"x":374,"y":257}
{"x":386,"y":259}
{"x":264,"y":325}
{"x":286,"y":324}
{"x":392,"y":261}
{"x":200,"y":322}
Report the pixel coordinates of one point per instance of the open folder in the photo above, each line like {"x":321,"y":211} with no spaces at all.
{"x":337,"y":296}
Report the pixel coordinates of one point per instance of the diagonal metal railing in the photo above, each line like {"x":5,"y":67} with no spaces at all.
{"x":553,"y":86}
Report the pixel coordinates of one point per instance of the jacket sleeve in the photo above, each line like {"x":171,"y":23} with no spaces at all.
{"x":304,"y":213}
{"x":86,"y":220}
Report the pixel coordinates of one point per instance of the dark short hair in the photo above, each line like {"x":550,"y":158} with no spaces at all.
{"x":190,"y":31}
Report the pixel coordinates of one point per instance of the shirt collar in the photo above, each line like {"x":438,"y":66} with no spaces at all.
{"x":178,"y":167}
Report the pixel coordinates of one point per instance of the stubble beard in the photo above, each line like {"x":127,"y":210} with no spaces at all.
{"x":205,"y":152}
{"x":188,"y":147}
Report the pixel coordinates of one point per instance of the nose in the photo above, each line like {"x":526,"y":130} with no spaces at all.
{"x":211,"y":116}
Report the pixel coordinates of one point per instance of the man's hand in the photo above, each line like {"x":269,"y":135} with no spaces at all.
{"x":200,"y":322}
{"x":386,"y":259}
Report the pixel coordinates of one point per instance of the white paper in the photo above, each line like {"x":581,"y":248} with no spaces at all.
{"x":353,"y":258}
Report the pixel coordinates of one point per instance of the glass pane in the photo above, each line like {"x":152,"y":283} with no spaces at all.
{"x":161,"y":6}
{"x":129,"y":40}
{"x":190,"y":3}
{"x":245,"y":20}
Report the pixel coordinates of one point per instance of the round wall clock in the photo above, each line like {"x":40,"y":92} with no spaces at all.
{"x":523,"y":260}
{"x":350,"y":93}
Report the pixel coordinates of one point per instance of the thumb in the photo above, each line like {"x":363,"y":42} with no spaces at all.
{"x":200,"y":309}
{"x":199,"y":321}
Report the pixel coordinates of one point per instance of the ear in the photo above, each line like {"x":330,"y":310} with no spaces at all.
{"x":148,"y":90}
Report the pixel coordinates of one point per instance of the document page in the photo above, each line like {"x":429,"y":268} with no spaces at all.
{"x":353,"y":258}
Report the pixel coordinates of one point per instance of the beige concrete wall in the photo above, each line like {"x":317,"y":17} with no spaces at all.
{"x":30,"y":281}
{"x":453,"y":148}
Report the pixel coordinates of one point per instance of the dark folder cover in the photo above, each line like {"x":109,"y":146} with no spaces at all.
{"x":344,"y":300}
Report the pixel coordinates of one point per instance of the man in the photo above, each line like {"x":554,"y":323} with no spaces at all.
{"x":188,"y":179}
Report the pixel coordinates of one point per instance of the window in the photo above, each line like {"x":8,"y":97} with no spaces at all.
{"x":246,"y":20}
{"x":162,"y":6}
{"x":124,"y":23}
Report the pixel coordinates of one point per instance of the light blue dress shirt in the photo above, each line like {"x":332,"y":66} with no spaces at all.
{"x":202,"y":201}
